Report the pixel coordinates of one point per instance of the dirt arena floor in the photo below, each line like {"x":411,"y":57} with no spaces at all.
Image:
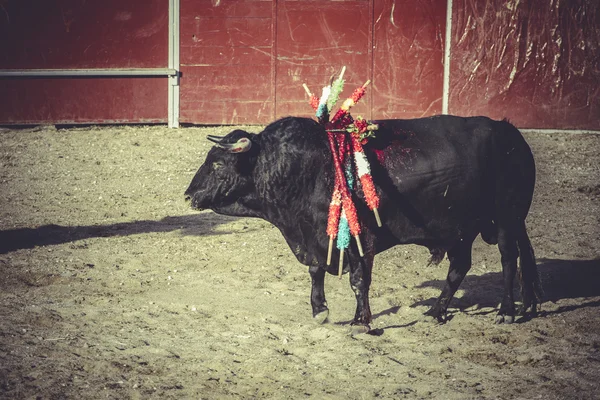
{"x":111,"y":287}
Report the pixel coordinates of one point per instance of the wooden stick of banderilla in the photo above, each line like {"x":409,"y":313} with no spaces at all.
{"x":341,"y":265}
{"x":308,"y":92}
{"x":376,"y":212}
{"x":359,"y":245}
{"x":342,"y":73}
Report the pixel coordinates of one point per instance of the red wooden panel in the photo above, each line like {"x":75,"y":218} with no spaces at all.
{"x":84,"y":34}
{"x":97,"y":100}
{"x":226,"y":8}
{"x":408,"y":58}
{"x":223,"y":83}
{"x":64,"y":34}
{"x":202,"y":56}
{"x":227,"y":62}
{"x":314,"y":40}
{"x":320,"y":33}
{"x":316,"y":76}
{"x":301,"y":108}
{"x":225,"y":32}
{"x":226,"y":94}
{"x":535,"y":62}
{"x":229,"y":113}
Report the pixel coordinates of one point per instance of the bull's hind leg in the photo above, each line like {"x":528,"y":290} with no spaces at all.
{"x":531,"y":288}
{"x":507,"y":244}
{"x":460,"y":264}
{"x":317,"y":294}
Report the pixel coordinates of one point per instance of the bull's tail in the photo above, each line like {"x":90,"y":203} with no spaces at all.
{"x":531,"y":286}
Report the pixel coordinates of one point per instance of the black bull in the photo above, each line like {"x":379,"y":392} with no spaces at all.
{"x":441,"y":180}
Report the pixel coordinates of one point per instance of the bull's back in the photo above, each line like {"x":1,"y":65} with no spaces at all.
{"x":435,"y":176}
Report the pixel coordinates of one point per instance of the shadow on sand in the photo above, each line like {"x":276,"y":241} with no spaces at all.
{"x":561,"y":279}
{"x":26,"y":238}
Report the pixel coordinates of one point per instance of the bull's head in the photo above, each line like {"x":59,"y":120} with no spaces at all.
{"x":224,"y":182}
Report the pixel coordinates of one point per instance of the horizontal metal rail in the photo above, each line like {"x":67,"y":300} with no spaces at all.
{"x":562,"y":131}
{"x":115,"y":72}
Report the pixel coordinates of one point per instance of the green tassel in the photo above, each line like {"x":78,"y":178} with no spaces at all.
{"x":336,"y":88}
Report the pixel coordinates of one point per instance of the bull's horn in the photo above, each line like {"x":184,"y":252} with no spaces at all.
{"x":217,"y":137}
{"x":215,"y":140}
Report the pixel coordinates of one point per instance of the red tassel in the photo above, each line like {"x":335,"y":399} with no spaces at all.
{"x":334,"y":213}
{"x":370,"y":192}
{"x":339,"y":114}
{"x":314,"y":102}
{"x":358,"y":94}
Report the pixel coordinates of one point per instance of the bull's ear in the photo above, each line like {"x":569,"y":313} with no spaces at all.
{"x":241,"y":146}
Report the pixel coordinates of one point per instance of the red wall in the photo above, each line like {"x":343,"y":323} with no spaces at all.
{"x":314,"y":40}
{"x":408,"y":58}
{"x":65,"y":34}
{"x":244,"y":61}
{"x":226,"y":62}
{"x":77,"y":100}
{"x":536,"y":62}
{"x":532,"y":61}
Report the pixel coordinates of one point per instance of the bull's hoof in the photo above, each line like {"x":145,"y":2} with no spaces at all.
{"x":528,"y":311}
{"x":504,"y":319}
{"x":434,"y":314}
{"x":321,"y":317}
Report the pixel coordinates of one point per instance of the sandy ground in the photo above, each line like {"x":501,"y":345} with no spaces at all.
{"x":110,"y":287}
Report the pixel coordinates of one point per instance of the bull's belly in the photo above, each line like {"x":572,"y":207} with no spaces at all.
{"x":434,"y":226}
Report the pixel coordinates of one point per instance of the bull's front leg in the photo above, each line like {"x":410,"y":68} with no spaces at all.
{"x":360,"y":281}
{"x":317,"y":294}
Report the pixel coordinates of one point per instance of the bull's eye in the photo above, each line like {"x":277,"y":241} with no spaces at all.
{"x":217,"y":165}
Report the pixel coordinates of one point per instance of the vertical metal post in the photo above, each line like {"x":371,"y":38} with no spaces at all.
{"x":173,"y":81}
{"x":447,"y":45}
{"x":274,"y":62}
{"x":371,"y":57}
